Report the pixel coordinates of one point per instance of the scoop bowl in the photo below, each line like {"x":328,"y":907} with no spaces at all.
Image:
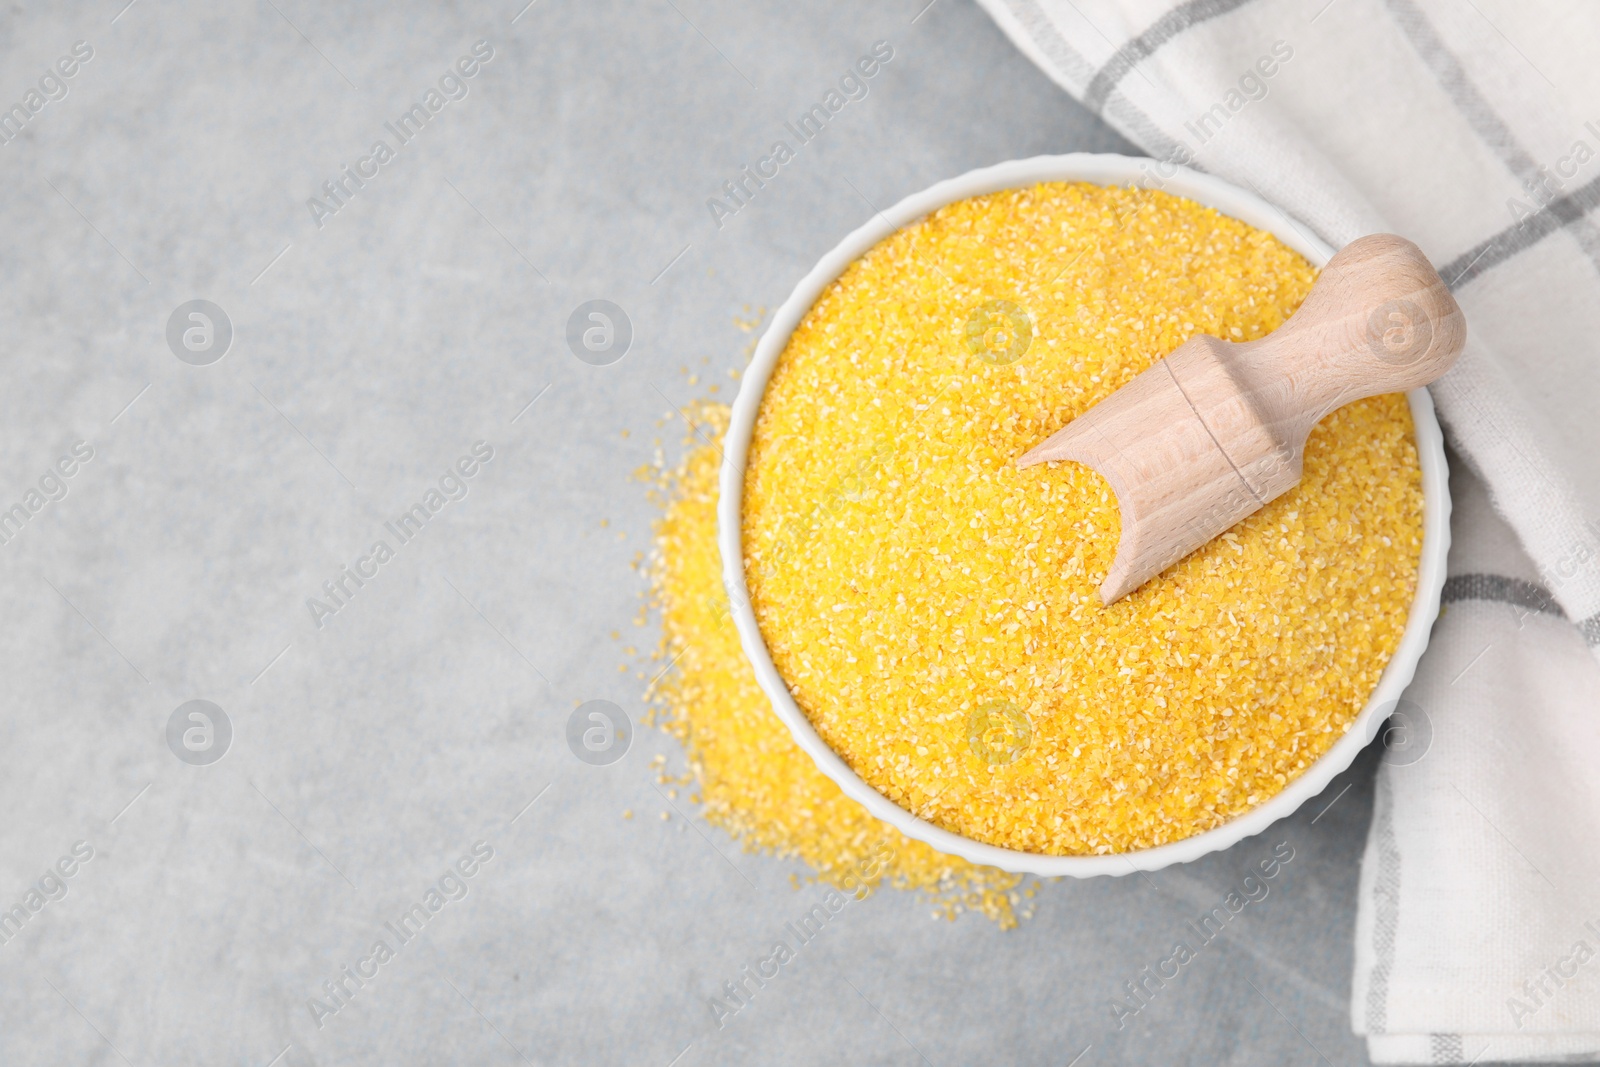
{"x":1101,"y":170}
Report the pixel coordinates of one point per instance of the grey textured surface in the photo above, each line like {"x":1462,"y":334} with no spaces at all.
{"x":371,"y":753}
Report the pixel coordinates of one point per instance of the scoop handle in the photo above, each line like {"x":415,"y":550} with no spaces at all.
{"x":1378,"y":320}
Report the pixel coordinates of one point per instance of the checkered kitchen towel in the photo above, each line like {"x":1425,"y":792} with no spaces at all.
{"x":1472,"y":127}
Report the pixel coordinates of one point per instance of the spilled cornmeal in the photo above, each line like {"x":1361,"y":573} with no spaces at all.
{"x":752,"y":779}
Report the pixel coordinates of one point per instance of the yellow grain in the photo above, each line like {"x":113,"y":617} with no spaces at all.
{"x":753,"y":780}
{"x":934,"y":609}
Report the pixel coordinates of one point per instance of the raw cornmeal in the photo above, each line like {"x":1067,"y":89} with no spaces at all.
{"x":752,"y":778}
{"x":934,"y":609}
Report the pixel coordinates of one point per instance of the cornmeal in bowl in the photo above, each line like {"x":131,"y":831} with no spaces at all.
{"x":934,"y":610}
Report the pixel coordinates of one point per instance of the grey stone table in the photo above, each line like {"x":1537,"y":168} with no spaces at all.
{"x":405,"y":733}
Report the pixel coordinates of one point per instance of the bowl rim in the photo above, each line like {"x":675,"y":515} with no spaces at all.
{"x":1100,"y":169}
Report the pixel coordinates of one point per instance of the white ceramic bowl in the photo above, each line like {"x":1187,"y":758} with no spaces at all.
{"x":1102,"y":170}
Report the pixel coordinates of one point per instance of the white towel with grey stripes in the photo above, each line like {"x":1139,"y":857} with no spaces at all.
{"x":1474,"y":129}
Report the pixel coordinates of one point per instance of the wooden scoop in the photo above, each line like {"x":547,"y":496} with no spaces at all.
{"x":1214,"y":431}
